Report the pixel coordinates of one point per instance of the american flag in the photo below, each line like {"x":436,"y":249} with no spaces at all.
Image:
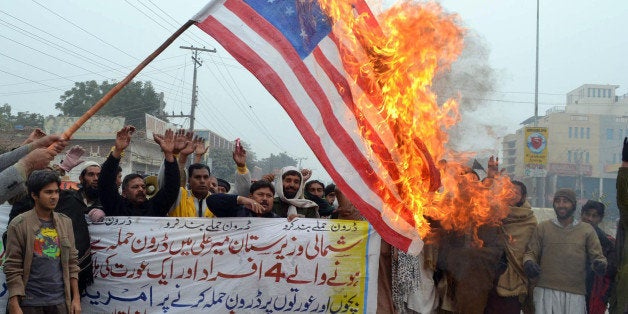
{"x":291,"y":49}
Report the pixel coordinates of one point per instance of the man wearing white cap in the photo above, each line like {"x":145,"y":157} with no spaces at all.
{"x":79,"y":205}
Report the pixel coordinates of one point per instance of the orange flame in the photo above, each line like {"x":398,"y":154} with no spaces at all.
{"x":392,"y":60}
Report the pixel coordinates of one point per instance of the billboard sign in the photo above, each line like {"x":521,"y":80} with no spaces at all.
{"x":535,"y":151}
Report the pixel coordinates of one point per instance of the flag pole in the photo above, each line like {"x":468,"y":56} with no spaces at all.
{"x":67,"y":134}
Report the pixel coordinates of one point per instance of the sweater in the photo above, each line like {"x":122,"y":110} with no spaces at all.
{"x":562,"y":253}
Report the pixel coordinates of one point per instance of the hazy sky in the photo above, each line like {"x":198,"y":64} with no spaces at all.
{"x":48,"y":45}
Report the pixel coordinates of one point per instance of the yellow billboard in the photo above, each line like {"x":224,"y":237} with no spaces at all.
{"x":535,"y":151}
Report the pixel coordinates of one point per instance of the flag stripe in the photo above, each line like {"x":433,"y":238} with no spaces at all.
{"x":376,"y":142}
{"x":243,"y":53}
{"x":344,"y":108}
{"x":364,"y":168}
{"x":308,"y":92}
{"x":345,"y":92}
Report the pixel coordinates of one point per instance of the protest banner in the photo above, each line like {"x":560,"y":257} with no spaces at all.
{"x":237,"y":265}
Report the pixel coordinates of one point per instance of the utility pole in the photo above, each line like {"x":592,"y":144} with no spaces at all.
{"x":197,"y":64}
{"x":300,"y":159}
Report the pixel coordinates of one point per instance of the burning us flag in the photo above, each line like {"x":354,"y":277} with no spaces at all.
{"x":358,"y":90}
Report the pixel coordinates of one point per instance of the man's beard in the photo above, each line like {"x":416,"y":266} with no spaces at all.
{"x":90,"y":192}
{"x":569,"y":212}
{"x":289,"y":194}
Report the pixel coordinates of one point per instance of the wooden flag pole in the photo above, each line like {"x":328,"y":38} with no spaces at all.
{"x":98,"y":105}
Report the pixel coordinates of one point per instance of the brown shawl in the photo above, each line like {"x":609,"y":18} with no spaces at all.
{"x":518,"y":227}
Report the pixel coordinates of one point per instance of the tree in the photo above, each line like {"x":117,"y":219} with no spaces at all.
{"x":251,"y":157}
{"x":273,"y":162}
{"x":5,"y":117}
{"x":135,"y":99}
{"x":222,"y":163}
{"x":23,"y":119}
{"x":27,"y":119}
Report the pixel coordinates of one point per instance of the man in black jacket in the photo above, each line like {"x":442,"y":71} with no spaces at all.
{"x":77,"y":204}
{"x":133,"y":201}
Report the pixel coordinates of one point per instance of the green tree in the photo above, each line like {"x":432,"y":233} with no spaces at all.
{"x":222,"y":163}
{"x":273,"y":162}
{"x":27,"y":119}
{"x":135,"y":99}
{"x":5,"y":117}
{"x":251,"y":157}
{"x":23,"y":119}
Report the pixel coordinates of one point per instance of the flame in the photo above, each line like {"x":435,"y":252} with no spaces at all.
{"x":392,"y":60}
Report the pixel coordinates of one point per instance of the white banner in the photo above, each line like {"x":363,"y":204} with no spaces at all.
{"x":156,"y":125}
{"x":96,"y":128}
{"x":237,"y":265}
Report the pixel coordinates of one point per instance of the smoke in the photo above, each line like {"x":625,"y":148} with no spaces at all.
{"x":471,"y":80}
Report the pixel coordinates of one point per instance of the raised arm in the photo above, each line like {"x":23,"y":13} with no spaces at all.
{"x":243,"y":176}
{"x":123,"y":139}
{"x":184,"y":151}
{"x":167,"y":144}
{"x":107,"y":188}
{"x":200,"y":150}
{"x":16,"y":166}
{"x":168,"y":193}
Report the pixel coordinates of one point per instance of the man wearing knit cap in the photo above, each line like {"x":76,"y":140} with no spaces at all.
{"x":557,"y":255}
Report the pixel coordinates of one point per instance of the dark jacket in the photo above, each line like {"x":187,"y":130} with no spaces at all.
{"x":116,"y":205}
{"x":245,"y":212}
{"x":71,"y":204}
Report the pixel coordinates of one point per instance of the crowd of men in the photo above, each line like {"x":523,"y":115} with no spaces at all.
{"x":562,"y":265}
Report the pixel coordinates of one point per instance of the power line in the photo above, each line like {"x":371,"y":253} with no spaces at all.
{"x":81,"y":67}
{"x":187,"y":34}
{"x":36,"y":67}
{"x":84,"y":30}
{"x":89,"y":33}
{"x":146,"y":15}
{"x":247,"y":114}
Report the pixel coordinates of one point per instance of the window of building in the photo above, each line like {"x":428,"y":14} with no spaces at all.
{"x":588,"y":133}
{"x":609,"y":134}
{"x":604,"y":93}
{"x":569,"y":156}
{"x":581,"y":132}
{"x":587,"y":157}
{"x":599,"y":92}
{"x":570,"y":132}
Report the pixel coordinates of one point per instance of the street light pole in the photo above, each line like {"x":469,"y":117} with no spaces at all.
{"x":539,"y":182}
{"x":536,"y":76}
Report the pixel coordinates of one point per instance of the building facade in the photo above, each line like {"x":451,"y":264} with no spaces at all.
{"x":585,"y":138}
